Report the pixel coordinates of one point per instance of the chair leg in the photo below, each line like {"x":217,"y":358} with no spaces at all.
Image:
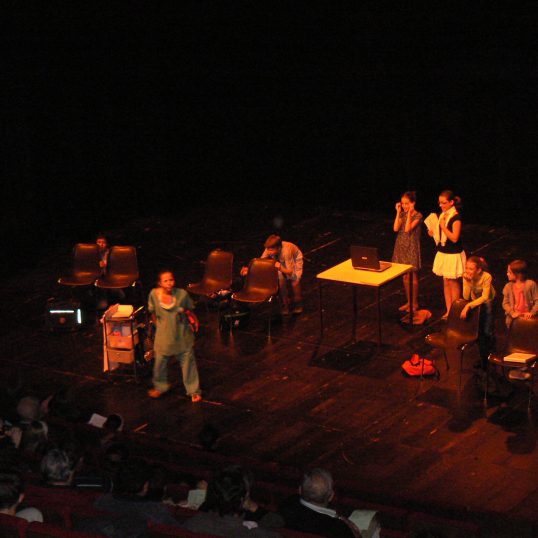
{"x":531,"y":391}
{"x":460,"y":376}
{"x":486,"y":385}
{"x":269,"y":320}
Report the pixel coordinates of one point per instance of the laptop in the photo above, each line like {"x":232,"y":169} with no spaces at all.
{"x":367,"y":259}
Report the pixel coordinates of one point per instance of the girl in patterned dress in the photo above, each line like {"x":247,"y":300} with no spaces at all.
{"x":407,"y":246}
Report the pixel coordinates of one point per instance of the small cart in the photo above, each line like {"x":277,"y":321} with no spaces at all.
{"x":123,"y":341}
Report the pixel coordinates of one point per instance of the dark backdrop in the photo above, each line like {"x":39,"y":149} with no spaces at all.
{"x":119,"y":109}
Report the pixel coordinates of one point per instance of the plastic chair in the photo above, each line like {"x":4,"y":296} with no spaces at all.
{"x":217,"y":274}
{"x":121,"y":269}
{"x":522,"y":338}
{"x":85,"y":270}
{"x":459,"y":334}
{"x":261,"y":285}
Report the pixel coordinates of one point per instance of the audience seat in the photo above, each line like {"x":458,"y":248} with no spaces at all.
{"x":288,"y":533}
{"x":12,"y":527}
{"x":450,"y":528}
{"x":46,"y":530}
{"x":389,"y":533}
{"x":163,"y":531}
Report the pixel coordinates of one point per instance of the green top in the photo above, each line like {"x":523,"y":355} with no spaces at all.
{"x":174,"y":334}
{"x":479,"y":292}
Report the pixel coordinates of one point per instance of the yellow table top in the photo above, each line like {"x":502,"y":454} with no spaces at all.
{"x":344,"y":272}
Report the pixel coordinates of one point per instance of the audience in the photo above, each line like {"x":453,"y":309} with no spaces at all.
{"x":138,"y":490}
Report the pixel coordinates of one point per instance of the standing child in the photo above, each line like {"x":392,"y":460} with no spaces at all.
{"x":520,"y":295}
{"x":407,"y":246}
{"x":478,"y":289}
{"x":449,"y":261}
{"x":174,"y":337}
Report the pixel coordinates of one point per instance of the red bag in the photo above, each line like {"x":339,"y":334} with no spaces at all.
{"x":193,"y":321}
{"x":417,"y":366}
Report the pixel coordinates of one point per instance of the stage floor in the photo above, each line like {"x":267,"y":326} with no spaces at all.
{"x":294,"y":399}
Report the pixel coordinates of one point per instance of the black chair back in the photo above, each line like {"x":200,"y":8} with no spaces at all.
{"x":218,"y":270}
{"x":262,"y":277}
{"x":462,"y":330}
{"x":122,"y":263}
{"x":85,"y":269}
{"x":523,"y":336}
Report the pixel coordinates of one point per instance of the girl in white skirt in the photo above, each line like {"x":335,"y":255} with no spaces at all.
{"x":450,"y":259}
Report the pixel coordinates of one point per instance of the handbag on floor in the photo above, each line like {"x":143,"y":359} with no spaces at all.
{"x":417,"y":366}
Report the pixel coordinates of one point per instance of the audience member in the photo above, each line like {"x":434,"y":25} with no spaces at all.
{"x":128,"y":505}
{"x":34,"y":444}
{"x":28,"y":409}
{"x":223,"y":512}
{"x":310,"y":512}
{"x":57,"y":468}
{"x":209,"y":436}
{"x":12,"y":494}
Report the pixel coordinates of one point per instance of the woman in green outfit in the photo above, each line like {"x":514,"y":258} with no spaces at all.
{"x":174,"y":337}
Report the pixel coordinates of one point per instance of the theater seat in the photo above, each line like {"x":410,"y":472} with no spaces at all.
{"x":164,"y":531}
{"x":46,"y":530}
{"x":12,"y":527}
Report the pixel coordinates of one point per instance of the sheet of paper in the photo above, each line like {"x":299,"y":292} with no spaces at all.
{"x":365,"y":520}
{"x":123,"y":311}
{"x":432,"y":223}
{"x":97,"y":420}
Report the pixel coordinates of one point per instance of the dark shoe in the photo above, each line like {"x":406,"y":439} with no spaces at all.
{"x":298,"y":309}
{"x":285,"y":310}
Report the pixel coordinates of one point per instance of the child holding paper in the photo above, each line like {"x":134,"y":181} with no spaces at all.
{"x":450,"y":259}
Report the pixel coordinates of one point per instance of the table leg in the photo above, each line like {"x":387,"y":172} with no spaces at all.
{"x":320,"y":309}
{"x":379,"y":317}
{"x":354,"y":329}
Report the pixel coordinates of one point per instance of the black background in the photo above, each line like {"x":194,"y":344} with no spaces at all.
{"x":123,"y":109}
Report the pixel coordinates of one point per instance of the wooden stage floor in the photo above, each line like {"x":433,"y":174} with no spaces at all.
{"x":293,"y":399}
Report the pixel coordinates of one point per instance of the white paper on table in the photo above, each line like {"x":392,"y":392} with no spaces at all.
{"x":432,"y":223}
